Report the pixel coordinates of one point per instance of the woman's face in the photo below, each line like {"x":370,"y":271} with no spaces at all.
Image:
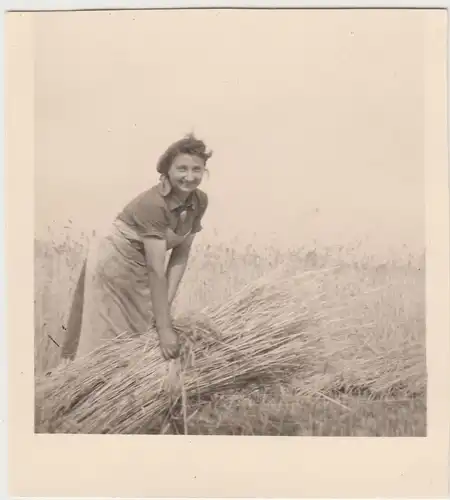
{"x":186,"y":173}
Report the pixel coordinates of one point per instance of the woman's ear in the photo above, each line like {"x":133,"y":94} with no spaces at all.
{"x":166,"y":187}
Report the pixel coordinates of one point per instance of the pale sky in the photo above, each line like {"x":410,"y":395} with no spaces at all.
{"x":315,"y":118}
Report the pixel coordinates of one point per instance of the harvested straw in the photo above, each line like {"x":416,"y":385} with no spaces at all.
{"x":260,"y":335}
{"x":282,"y":330}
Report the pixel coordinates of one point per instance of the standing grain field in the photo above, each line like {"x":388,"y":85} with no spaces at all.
{"x":369,"y":372}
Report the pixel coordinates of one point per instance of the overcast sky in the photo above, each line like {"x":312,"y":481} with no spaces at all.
{"x":315,"y":118}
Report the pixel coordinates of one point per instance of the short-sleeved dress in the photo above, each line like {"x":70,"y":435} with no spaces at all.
{"x":113,"y":292}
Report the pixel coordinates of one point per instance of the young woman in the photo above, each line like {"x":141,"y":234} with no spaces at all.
{"x":124,"y":284}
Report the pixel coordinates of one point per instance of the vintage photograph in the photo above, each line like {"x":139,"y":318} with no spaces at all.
{"x":230,"y":223}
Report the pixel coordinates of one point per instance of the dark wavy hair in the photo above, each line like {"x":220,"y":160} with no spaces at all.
{"x":190,"y":145}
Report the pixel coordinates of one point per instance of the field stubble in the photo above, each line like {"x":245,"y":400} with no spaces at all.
{"x":369,"y":376}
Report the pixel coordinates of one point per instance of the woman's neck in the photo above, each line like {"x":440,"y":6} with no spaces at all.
{"x":181,"y":196}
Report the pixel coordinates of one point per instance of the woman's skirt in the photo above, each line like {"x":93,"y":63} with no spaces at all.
{"x":112,"y":295}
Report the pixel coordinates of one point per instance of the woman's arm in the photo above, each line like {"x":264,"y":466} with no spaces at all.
{"x":155,"y":250}
{"x":177,"y":266}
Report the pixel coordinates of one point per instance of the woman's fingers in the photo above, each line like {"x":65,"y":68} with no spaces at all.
{"x":171,"y":353}
{"x":168,"y":354}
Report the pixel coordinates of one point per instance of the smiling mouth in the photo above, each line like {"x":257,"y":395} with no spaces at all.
{"x":187,"y":185}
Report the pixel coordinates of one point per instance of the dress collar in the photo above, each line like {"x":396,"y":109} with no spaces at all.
{"x":165,"y":189}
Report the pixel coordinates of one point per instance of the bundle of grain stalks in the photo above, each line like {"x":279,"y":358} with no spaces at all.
{"x":263,"y":334}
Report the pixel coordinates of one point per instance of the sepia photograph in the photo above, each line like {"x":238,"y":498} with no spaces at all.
{"x":229,"y":223}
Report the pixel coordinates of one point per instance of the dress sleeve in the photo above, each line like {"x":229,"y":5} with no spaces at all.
{"x":203,"y":205}
{"x":149,"y":216}
{"x":154,"y":223}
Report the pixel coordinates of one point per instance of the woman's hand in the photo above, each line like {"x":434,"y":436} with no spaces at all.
{"x":169,"y":343}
